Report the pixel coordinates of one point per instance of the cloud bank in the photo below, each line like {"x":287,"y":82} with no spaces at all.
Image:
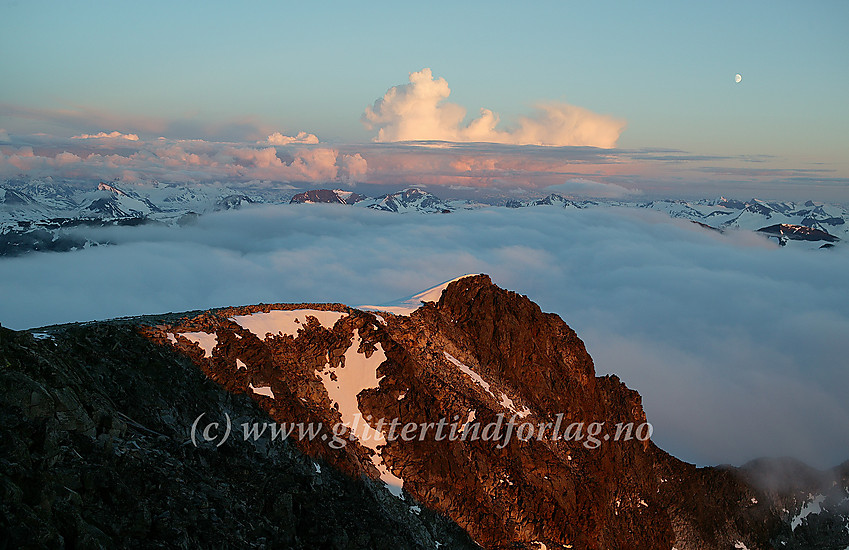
{"x":738,"y":347}
{"x":419,"y":111}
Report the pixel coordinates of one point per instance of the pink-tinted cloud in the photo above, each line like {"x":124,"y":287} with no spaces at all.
{"x":301,"y":138}
{"x":186,"y":161}
{"x":420,"y":111}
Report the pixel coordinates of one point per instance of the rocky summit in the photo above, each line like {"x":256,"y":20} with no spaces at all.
{"x":469,"y":418}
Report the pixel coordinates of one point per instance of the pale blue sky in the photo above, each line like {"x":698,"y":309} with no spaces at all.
{"x":667,"y":68}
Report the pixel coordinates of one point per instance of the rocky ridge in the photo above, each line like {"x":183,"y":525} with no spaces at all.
{"x":478,"y":354}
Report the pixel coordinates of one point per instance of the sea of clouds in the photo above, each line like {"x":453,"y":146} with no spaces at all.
{"x":738,"y":347}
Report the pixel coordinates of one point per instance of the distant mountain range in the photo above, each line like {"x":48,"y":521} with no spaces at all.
{"x":100,"y":420}
{"x":42,"y":215}
{"x":408,"y":200}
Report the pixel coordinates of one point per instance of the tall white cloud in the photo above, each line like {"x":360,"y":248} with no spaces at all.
{"x":419,"y":111}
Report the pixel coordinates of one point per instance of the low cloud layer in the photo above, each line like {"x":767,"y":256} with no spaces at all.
{"x":420,"y":111}
{"x":737,"y":346}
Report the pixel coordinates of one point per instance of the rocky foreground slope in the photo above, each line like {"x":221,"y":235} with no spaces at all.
{"x":513,"y":437}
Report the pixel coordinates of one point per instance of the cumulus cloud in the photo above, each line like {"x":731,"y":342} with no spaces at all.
{"x":111,"y":135}
{"x":302,"y":138}
{"x":587,"y":188}
{"x":419,"y":111}
{"x":737,"y":346}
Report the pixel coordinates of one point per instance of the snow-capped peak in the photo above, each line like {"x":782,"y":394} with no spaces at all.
{"x":405,"y":306}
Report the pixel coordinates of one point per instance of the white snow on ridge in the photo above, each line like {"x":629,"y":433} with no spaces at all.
{"x":206,"y":341}
{"x":478,"y":379}
{"x":286,"y":321}
{"x":358,"y":374}
{"x":405,"y":306}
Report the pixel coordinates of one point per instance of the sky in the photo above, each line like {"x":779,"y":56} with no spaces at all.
{"x":737,"y":346}
{"x":654,"y":79}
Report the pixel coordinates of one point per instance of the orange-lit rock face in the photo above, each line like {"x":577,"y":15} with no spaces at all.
{"x":479,"y":356}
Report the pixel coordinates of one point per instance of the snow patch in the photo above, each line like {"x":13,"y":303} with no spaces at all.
{"x":507,"y":403}
{"x":262,"y":390}
{"x":286,"y":322}
{"x":478,"y":379}
{"x":813,"y":506}
{"x":360,"y":373}
{"x":206,"y":341}
{"x":504,"y":401}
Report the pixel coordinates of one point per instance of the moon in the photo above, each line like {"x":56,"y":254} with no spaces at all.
{"x":738,"y":78}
